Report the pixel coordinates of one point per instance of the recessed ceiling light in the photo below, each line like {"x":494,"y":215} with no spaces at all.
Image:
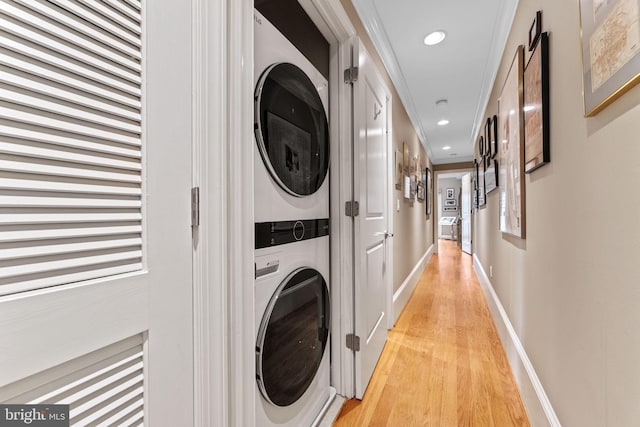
{"x":446,"y":147}
{"x":435,"y":38}
{"x":443,"y":122}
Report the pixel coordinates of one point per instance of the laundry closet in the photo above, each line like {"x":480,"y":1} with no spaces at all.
{"x":291,"y":214}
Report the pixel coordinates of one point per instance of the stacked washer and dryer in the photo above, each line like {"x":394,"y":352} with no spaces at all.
{"x":291,"y":233}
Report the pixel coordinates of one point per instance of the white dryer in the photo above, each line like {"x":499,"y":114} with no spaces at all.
{"x":293,"y":322}
{"x":291,"y":130}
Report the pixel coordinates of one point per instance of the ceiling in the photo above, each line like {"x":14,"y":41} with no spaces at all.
{"x":461,"y":69}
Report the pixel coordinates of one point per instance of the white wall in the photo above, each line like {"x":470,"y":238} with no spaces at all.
{"x":572,"y":288}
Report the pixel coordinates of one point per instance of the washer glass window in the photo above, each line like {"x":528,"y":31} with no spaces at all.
{"x":292,"y":337}
{"x":291,"y":129}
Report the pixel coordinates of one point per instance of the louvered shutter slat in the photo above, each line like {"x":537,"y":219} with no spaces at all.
{"x":66,"y":218}
{"x":113,"y":16}
{"x":67,"y":156}
{"x":50,"y":266}
{"x":63,"y":187}
{"x":39,"y":103}
{"x":67,"y":233}
{"x":47,"y":9}
{"x":55,"y":75}
{"x":38,"y":119}
{"x":66,"y":140}
{"x":67,"y":50}
{"x":68,"y":96}
{"x":86,"y":14}
{"x":67,"y":202}
{"x":71,"y":173}
{"x":25,"y":167}
{"x":48,"y":250}
{"x":56,"y":30}
{"x":103,"y":388}
{"x":78,"y":68}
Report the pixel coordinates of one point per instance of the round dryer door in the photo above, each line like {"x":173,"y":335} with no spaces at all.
{"x":291,"y":129}
{"x":292,"y":337}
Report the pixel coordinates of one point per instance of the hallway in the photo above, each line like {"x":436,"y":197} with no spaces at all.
{"x":443,"y":364}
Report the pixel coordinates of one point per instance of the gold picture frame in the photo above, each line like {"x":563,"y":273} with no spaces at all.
{"x":610,"y":43}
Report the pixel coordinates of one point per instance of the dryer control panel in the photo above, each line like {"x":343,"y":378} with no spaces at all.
{"x":268,"y":234}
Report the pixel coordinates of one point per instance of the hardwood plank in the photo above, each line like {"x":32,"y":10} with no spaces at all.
{"x":443,"y":364}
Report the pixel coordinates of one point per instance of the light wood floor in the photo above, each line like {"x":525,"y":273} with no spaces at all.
{"x":443,"y":364}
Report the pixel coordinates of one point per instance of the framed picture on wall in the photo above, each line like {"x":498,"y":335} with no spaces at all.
{"x":487,"y":138}
{"x":398,"y":161}
{"x":536,"y":107}
{"x":610,"y":51}
{"x":511,"y":128}
{"x":491,"y":176}
{"x":450,"y":193}
{"x":428,"y":191}
{"x":494,"y":136}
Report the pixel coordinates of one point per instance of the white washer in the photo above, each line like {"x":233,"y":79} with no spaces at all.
{"x":292,"y":340}
{"x":291,"y":130}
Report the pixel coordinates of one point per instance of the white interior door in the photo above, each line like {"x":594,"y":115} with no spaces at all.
{"x":466,"y":213}
{"x":95,"y":239}
{"x":372,"y":282}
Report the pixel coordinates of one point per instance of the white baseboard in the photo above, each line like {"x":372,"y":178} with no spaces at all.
{"x":535,"y":399}
{"x":402,"y":295}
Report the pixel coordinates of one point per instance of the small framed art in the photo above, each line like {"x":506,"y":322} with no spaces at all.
{"x":536,"y":107}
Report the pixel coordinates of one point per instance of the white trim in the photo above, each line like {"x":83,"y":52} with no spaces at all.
{"x":535,"y":399}
{"x":239,"y":210}
{"x":332,"y":20}
{"x":507,"y":13}
{"x":389,"y":241}
{"x":330,"y":411}
{"x":402,"y":295}
{"x":209,"y":240}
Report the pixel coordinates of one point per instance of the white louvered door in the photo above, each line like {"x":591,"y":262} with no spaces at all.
{"x":95,"y":172}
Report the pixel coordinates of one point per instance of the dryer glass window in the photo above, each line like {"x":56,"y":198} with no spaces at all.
{"x":291,"y":129}
{"x":292,"y":337}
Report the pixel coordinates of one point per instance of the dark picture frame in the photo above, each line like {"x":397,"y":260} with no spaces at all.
{"x":510,"y":113}
{"x":535,"y":30}
{"x":536,"y":107}
{"x":487,"y":138}
{"x":494,"y":136}
{"x":610,"y":51}
{"x":481,"y":146}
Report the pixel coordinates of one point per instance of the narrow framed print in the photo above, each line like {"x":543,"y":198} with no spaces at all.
{"x":535,"y":30}
{"x":487,"y":138}
{"x":428,"y":191}
{"x":610,"y":51}
{"x":494,"y":136}
{"x":536,"y":107}
{"x":398,"y":161}
{"x":481,"y":146}
{"x":511,"y":128}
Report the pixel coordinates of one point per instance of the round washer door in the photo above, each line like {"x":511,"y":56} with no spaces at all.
{"x":292,"y":337}
{"x":291,"y":129}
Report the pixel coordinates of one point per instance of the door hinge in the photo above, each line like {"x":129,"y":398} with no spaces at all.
{"x":353,"y":342}
{"x":195,"y":206}
{"x":351,"y":75}
{"x":352,"y":208}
